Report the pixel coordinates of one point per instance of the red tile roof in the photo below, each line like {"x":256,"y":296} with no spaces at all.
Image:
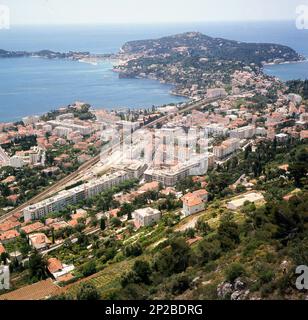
{"x":54,"y":265}
{"x":8,"y":225}
{"x":8,"y":235}
{"x":2,"y":249}
{"x":37,"y":291}
{"x":33,"y":227}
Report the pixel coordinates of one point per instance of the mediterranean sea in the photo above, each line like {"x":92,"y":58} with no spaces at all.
{"x":34,"y":86}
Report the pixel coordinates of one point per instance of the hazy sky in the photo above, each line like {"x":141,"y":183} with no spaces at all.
{"x":147,"y":11}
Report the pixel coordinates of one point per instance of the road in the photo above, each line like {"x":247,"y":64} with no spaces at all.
{"x":59,"y":185}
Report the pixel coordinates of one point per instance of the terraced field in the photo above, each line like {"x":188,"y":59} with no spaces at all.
{"x":106,"y":279}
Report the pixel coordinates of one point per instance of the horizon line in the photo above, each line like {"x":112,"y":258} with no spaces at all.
{"x":150,"y":23}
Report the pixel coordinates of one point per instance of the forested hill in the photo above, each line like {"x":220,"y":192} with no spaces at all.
{"x":197,"y":44}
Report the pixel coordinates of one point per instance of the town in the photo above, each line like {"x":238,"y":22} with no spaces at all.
{"x":174,"y":177}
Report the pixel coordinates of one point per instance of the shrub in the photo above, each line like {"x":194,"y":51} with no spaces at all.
{"x":87,"y":292}
{"x":234,"y":271}
{"x":88,"y":269}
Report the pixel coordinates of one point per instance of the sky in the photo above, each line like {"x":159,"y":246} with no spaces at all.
{"x":147,"y":11}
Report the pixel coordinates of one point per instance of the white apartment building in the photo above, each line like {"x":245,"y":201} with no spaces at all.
{"x":226,"y":148}
{"x":34,"y":156}
{"x":216,"y":93}
{"x":4,"y":277}
{"x":243,"y":132}
{"x":62,"y":131}
{"x":127,"y":125}
{"x":84,"y":191}
{"x":170,"y":175}
{"x":30,"y":120}
{"x":84,"y":130}
{"x":4,"y":158}
{"x":304,"y":117}
{"x":146,"y":216}
{"x":261,"y":131}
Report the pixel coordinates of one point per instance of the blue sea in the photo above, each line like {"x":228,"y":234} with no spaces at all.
{"x":34,"y":86}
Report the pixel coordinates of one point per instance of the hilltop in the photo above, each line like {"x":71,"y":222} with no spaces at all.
{"x":197,"y":44}
{"x":194,"y":62}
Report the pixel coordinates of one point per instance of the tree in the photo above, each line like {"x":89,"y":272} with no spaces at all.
{"x":103,"y":224}
{"x":37,"y":267}
{"x":126,"y":209}
{"x":116,"y":222}
{"x":87,"y":292}
{"x":173,"y":259}
{"x":134,"y":250}
{"x":3,"y":257}
{"x":298,"y":171}
{"x":140,"y":273}
{"x":228,"y":234}
{"x":88,"y":268}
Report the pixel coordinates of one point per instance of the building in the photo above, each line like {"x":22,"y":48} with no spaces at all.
{"x":34,"y":156}
{"x":39,"y":241}
{"x":194,"y":202}
{"x":243,"y":132}
{"x":84,"y":191}
{"x":304,"y":117}
{"x":261,"y":131}
{"x":38,"y":291}
{"x":226,"y":148}
{"x":30,"y":120}
{"x":69,"y":124}
{"x":304,"y":134}
{"x":4,"y":277}
{"x":216,"y":93}
{"x":16,"y":256}
{"x":4,"y":158}
{"x":127,"y":126}
{"x":281,"y":137}
{"x":146,"y":216}
{"x":62,"y":131}
{"x":9,"y":236}
{"x":34,"y":227}
{"x":240,"y":201}
{"x":169,"y":176}
{"x":167,"y":109}
{"x":57,"y":268}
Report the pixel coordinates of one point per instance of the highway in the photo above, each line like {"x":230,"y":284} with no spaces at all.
{"x":59,"y":185}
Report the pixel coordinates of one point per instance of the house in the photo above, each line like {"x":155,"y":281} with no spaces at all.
{"x":34,"y":227}
{"x":202,"y":193}
{"x":8,"y":225}
{"x":238,"y":202}
{"x":146,"y":216}
{"x":150,"y":186}
{"x":4,"y":278}
{"x":16,"y":255}
{"x":194,"y":202}
{"x":37,"y":291}
{"x":59,"y":225}
{"x":57,"y":269}
{"x":39,"y":241}
{"x":113,"y":213}
{"x":80,"y":214}
{"x":9,"y":236}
